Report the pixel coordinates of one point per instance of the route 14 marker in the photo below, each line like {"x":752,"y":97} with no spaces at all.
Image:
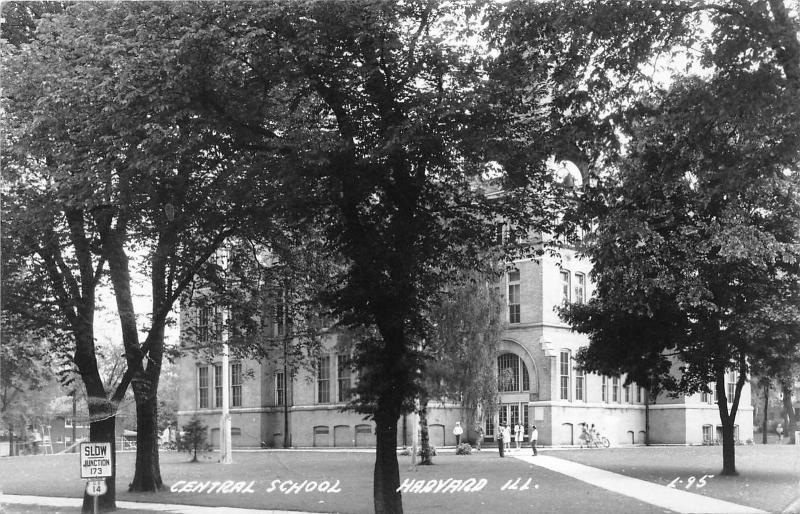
{"x":96,"y":487}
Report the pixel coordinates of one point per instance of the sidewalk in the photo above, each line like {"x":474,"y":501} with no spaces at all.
{"x":76,"y":503}
{"x":648,"y":492}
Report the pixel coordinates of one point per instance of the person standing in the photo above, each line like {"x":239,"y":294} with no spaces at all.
{"x":36,"y":439}
{"x":534,"y":438}
{"x":518,"y":435}
{"x":501,"y":445}
{"x":779,"y":430}
{"x":457,"y":431}
{"x":479,"y":436}
{"x":507,"y":437}
{"x":584,"y":438}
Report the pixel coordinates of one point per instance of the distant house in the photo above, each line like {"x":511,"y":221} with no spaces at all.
{"x":65,"y":431}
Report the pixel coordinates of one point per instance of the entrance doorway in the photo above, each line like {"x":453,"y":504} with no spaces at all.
{"x":510,"y":414}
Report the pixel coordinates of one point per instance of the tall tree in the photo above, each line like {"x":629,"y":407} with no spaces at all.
{"x":690,"y":262}
{"x":383,"y":156}
{"x":120,"y":140}
{"x":614,"y":54}
{"x":46,"y":215}
{"x":461,"y":353}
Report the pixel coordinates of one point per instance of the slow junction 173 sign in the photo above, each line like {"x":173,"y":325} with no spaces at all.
{"x":95,"y":460}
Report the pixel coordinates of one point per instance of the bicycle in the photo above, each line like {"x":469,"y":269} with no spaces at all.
{"x":599,"y":440}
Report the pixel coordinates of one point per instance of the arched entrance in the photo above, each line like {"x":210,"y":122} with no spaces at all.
{"x":517,"y":382}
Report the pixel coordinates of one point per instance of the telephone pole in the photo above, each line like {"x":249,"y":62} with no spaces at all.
{"x":225,"y":449}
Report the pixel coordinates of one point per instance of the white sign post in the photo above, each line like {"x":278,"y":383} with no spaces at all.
{"x":96,"y":460}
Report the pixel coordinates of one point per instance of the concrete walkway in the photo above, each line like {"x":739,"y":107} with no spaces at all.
{"x":49,"y":501}
{"x":648,"y":492}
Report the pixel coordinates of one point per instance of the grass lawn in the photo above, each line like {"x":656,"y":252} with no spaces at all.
{"x":769,"y":475}
{"x":545,"y":492}
{"x":768,"y":480}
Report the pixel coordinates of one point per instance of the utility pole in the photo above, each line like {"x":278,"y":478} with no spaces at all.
{"x":74,"y":413}
{"x":414,"y":437}
{"x":287,"y":435}
{"x":225,"y":419}
{"x":225,"y":450}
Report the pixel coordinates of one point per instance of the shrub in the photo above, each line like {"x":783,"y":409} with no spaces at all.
{"x":407,"y":451}
{"x":463,"y":449}
{"x":432,"y":449}
{"x":194,"y":436}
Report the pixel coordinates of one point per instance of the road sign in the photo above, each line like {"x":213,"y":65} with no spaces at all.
{"x":96,"y":487}
{"x":95,"y":460}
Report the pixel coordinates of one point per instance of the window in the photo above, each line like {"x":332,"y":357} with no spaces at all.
{"x":217,"y":385}
{"x":343,"y":373}
{"x":203,"y":325}
{"x":580,"y":394}
{"x":708,"y":434}
{"x":67,"y":422}
{"x":509,"y":370}
{"x":236,"y":384}
{"x":279,"y":311}
{"x":489,"y":429}
{"x":730,"y":380}
{"x":324,"y":379}
{"x":615,"y":389}
{"x":627,"y":394}
{"x":202,"y":386}
{"x":580,"y":288}
{"x":565,"y":286}
{"x":280,"y":388}
{"x":564,"y":374}
{"x":604,"y":389}
{"x":638,"y":394}
{"x":497,"y":234}
{"x":513,"y":297}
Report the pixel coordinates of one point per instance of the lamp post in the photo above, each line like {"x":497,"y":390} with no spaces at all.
{"x":225,"y":448}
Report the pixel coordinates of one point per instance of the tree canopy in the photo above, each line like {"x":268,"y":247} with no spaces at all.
{"x":696,"y":254}
{"x":400,"y":133}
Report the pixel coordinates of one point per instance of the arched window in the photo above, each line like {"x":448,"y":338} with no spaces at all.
{"x":510,"y":369}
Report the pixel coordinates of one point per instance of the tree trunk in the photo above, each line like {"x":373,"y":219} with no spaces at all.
{"x":147,"y":474}
{"x":788,"y":410}
{"x":728,"y":444}
{"x":11,"y":452}
{"x":728,"y":450}
{"x":764,"y":425}
{"x":101,"y":429}
{"x":102,"y":414}
{"x":386,"y":480}
{"x":647,"y":418}
{"x":424,"y":436}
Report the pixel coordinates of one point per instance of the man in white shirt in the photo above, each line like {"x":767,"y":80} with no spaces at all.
{"x":457,"y":431}
{"x":534,"y":438}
